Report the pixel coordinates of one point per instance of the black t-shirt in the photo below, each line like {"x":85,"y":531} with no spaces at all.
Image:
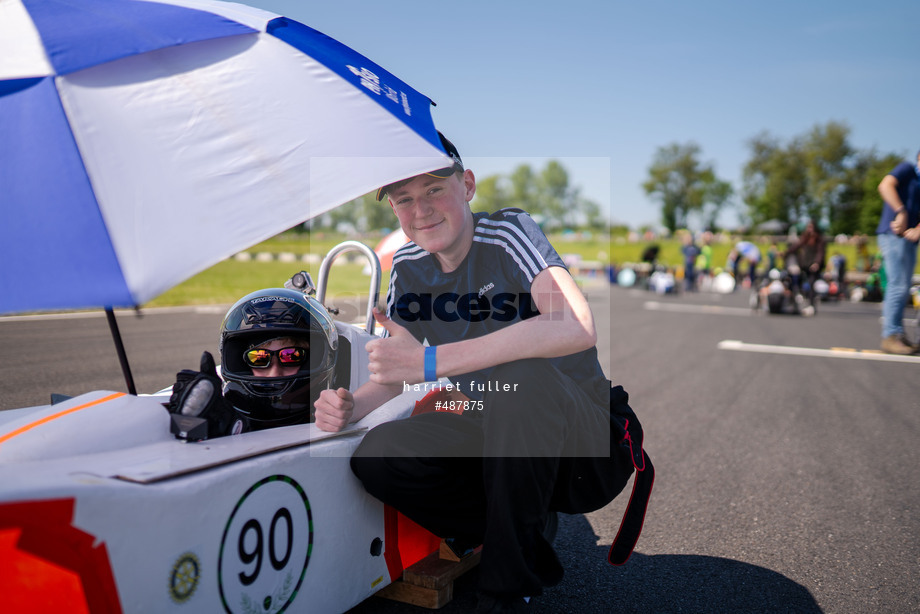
{"x":488,"y":291}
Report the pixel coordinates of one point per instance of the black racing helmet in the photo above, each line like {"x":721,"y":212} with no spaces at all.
{"x":260,"y":317}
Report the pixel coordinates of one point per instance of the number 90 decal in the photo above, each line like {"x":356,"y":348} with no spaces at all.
{"x":265,"y":548}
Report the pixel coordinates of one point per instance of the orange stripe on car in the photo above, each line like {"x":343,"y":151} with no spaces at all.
{"x":47,"y":419}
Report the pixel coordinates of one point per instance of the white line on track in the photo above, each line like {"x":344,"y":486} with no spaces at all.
{"x":686,"y":308}
{"x":740,"y":346}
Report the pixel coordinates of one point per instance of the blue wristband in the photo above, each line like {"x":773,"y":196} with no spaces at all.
{"x":431,"y":364}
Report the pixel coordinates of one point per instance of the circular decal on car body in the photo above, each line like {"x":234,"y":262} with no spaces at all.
{"x":265,"y":547}
{"x":184,"y":577}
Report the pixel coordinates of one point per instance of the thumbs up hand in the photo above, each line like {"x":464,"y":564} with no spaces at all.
{"x":397,"y":359}
{"x":334,"y":409}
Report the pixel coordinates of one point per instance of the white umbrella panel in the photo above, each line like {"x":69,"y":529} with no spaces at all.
{"x":142,"y":142}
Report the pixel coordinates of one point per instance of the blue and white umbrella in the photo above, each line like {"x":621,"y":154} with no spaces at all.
{"x":144,"y":141}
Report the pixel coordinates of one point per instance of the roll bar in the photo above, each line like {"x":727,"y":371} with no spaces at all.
{"x":376,"y":274}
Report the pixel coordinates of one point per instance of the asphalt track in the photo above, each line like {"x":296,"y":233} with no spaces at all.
{"x":788,"y":480}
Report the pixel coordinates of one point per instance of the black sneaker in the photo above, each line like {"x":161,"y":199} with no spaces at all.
{"x":547,"y":565}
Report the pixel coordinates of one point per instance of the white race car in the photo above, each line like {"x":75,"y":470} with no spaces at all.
{"x":102,"y":509}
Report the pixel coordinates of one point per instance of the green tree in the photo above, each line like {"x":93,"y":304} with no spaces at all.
{"x":547,"y":195}
{"x":591,"y":211}
{"x":683,"y":185}
{"x":718,"y":195}
{"x":523,"y":190}
{"x":866,"y":207}
{"x":491,"y":194}
{"x":555,"y":196}
{"x":365,"y":213}
{"x":817,"y":175}
{"x":829,"y":158}
{"x":774,"y":181}
{"x":562,"y":203}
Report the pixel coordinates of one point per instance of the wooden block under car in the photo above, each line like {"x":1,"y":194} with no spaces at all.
{"x":430,"y":582}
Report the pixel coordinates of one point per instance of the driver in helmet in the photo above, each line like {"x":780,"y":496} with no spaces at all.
{"x":278,"y":350}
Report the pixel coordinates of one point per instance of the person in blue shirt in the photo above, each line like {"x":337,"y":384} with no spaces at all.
{"x":542,"y":429}
{"x":898,"y":235}
{"x":690,"y":252}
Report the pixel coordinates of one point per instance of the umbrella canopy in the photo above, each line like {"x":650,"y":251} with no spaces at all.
{"x":144,"y":141}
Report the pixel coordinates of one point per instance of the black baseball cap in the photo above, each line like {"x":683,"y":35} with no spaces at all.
{"x":457,"y":166}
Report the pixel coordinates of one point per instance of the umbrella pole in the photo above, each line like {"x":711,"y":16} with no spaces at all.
{"x":120,"y":348}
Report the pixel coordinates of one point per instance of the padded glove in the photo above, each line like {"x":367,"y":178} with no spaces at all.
{"x":198,"y":408}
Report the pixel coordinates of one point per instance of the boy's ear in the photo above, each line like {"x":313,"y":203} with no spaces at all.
{"x":469,"y":183}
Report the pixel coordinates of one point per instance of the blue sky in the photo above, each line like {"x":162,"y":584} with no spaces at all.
{"x":600,"y":85}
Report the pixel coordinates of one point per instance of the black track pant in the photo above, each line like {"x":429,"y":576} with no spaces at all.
{"x":491,"y":477}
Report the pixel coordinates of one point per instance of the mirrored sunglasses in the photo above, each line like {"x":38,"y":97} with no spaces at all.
{"x":261,"y":358}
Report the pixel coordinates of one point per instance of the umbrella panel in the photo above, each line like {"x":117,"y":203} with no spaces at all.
{"x":194,"y":153}
{"x":118,"y":29}
{"x":62,"y":251}
{"x":196,"y":129}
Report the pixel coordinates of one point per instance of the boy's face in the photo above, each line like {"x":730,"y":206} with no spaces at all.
{"x":276,"y":369}
{"x":433,"y":211}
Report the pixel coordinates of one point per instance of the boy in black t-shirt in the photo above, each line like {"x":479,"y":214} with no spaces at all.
{"x":505,"y":322}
